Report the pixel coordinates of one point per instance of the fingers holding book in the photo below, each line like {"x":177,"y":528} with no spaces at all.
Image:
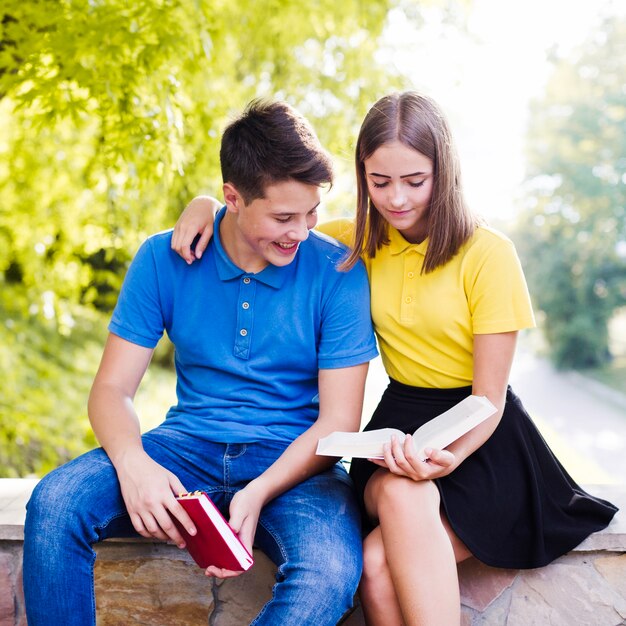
{"x":245,"y":509}
{"x":177,"y":511}
{"x":401,"y":457}
{"x":148,"y":490}
{"x":216,"y":546}
{"x":156,"y":522}
{"x":220,"y":572}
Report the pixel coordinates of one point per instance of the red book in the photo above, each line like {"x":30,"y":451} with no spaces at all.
{"x":215,"y":543}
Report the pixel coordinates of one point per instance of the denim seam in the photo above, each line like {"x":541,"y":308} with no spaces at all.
{"x":172,"y":433}
{"x":93,"y":585}
{"x":276,"y":537}
{"x":244,"y":449}
{"x":109,"y":520}
{"x":217,"y":489}
{"x":227,"y":458}
{"x":226,"y":471}
{"x":97,"y":530}
{"x":281,"y":547}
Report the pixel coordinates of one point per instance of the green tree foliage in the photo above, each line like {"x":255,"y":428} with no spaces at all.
{"x":45,"y":384}
{"x":110,"y":118}
{"x":112,"y":113}
{"x":572,"y":232}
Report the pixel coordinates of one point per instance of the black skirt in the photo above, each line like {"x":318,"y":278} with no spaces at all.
{"x":510,"y":502}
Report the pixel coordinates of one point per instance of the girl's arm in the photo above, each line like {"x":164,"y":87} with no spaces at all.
{"x":196,"y":219}
{"x":493,"y":357}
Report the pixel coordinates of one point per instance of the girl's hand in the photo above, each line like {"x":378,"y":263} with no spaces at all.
{"x":401,"y":458}
{"x":196,"y":219}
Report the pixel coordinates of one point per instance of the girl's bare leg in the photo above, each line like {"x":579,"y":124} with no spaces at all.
{"x":378,"y":596}
{"x":419,"y":553}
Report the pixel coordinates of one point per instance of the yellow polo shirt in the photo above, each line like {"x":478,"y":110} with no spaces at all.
{"x":425,"y":323}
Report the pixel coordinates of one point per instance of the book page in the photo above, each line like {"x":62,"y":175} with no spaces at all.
{"x":442,"y":430}
{"x":215,"y":542}
{"x":437,"y":433}
{"x":364,"y":445}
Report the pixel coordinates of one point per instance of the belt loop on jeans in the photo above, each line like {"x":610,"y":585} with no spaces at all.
{"x":233,"y":450}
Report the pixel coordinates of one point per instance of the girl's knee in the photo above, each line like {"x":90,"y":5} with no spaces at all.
{"x":374,"y":559}
{"x":398,"y":491}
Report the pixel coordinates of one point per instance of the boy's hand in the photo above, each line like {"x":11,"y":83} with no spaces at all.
{"x":245,"y":509}
{"x":149,"y":492}
{"x":196,"y":219}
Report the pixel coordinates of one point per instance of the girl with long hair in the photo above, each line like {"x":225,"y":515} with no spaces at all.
{"x":448,"y":298}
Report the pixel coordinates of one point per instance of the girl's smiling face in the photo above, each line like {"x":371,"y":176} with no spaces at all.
{"x":400,"y":183}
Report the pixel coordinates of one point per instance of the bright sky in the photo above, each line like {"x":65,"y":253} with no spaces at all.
{"x":484,"y":80}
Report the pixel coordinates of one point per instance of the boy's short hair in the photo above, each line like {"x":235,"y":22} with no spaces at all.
{"x":270,"y":142}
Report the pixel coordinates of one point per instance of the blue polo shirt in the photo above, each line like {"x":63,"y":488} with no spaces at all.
{"x":248,"y":346}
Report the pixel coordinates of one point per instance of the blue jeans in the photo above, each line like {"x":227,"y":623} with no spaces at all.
{"x":311,"y":532}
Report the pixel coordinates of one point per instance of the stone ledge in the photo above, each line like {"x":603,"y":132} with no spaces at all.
{"x":139,"y":581}
{"x":14,"y":494}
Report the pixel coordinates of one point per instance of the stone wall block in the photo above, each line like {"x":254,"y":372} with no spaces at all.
{"x":239,"y":599}
{"x":20,"y":607}
{"x":152,"y":592}
{"x":7,"y":595}
{"x":481,"y":584}
{"x":150,"y":583}
{"x":613,"y":570}
{"x":564,"y":593}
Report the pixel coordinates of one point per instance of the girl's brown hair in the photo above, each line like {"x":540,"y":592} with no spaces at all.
{"x":417,"y":122}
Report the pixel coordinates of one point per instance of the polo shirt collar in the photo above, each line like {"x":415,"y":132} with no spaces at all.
{"x":272,"y":275}
{"x":398,"y":244}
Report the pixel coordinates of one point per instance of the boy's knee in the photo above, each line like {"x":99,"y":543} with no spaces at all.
{"x":337,"y":576}
{"x":52,"y":506}
{"x":45,"y":492}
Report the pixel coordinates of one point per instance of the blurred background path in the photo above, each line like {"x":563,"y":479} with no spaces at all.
{"x":583,"y":422}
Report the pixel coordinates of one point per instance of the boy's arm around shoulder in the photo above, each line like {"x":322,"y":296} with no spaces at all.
{"x":196,"y":219}
{"x":147,"y":488}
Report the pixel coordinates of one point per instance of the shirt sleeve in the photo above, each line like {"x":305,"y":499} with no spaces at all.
{"x":341,"y":229}
{"x":497,"y":292}
{"x":138,"y":316}
{"x":347,"y":337}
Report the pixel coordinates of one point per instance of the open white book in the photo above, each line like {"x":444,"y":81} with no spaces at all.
{"x":437,"y":433}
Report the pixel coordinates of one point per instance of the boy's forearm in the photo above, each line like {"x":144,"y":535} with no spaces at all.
{"x":297,"y":463}
{"x":114,"y":422}
{"x":341,"y":404}
{"x":110,"y":407}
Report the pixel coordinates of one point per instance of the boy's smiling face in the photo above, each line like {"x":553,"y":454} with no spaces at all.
{"x":269,"y":230}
